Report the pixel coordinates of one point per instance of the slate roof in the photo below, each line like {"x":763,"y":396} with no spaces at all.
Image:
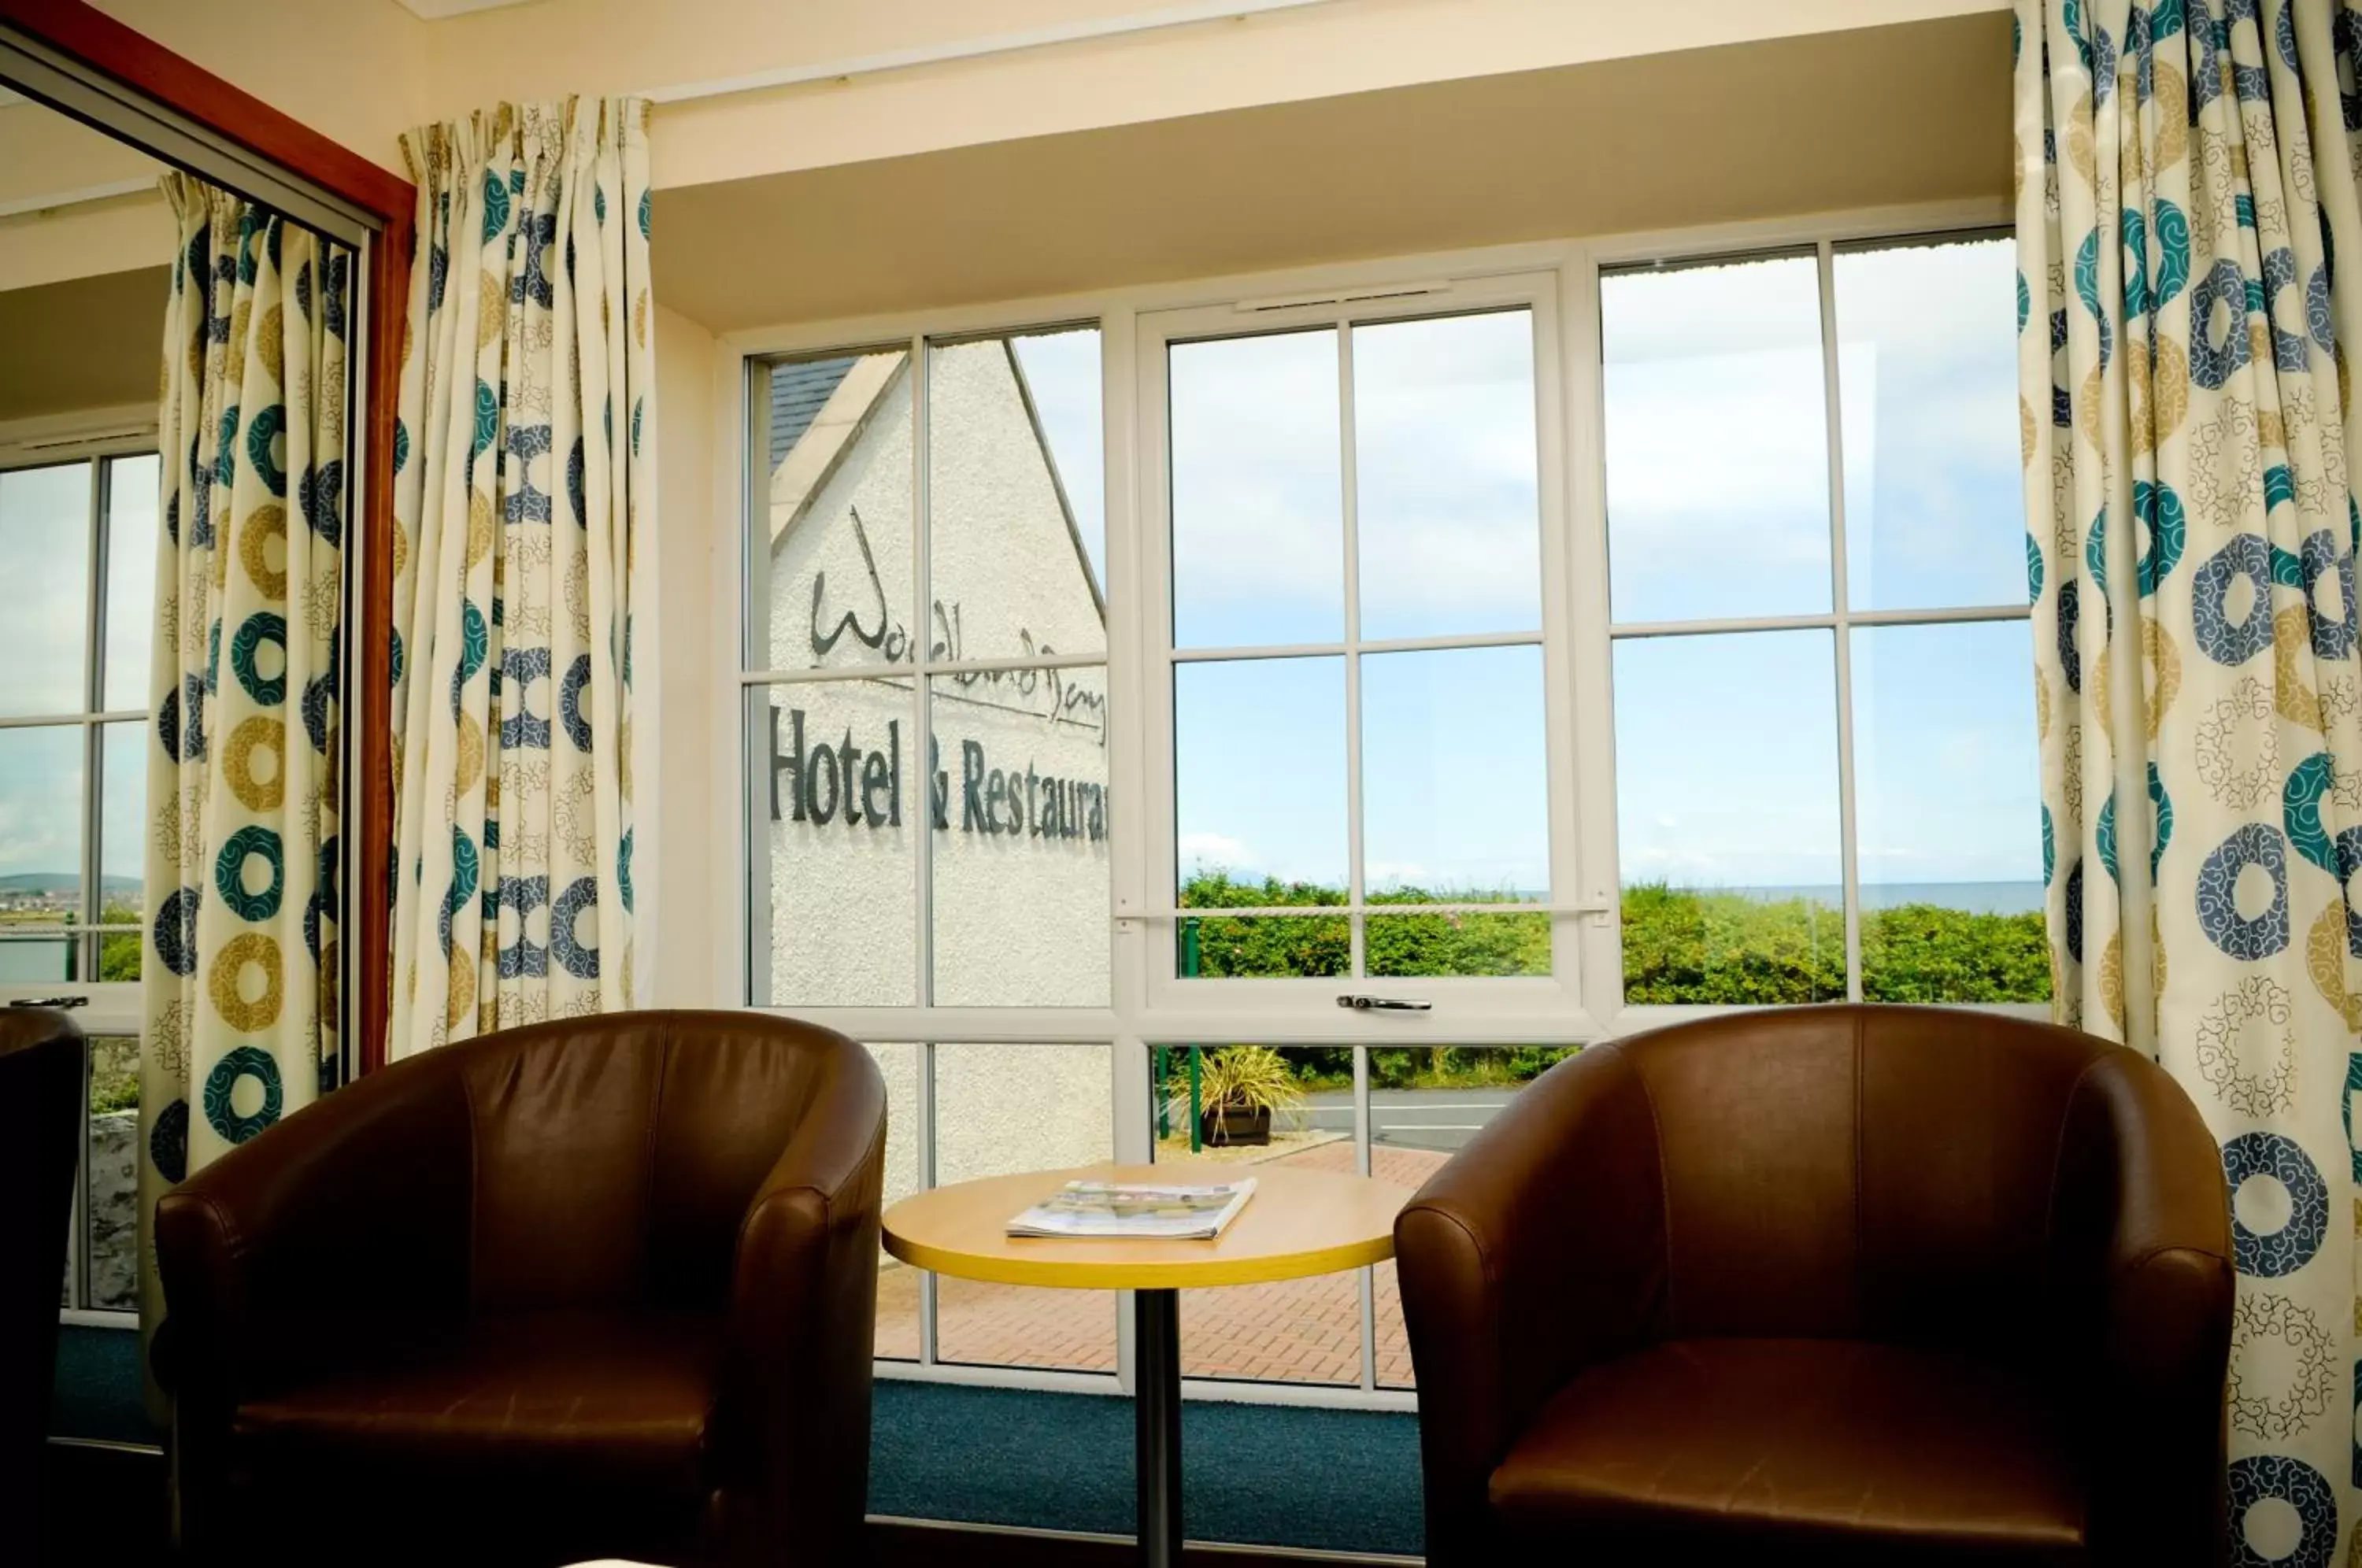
{"x":799,"y":391}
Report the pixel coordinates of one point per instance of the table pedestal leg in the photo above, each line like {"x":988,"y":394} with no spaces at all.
{"x":1156,"y":1402}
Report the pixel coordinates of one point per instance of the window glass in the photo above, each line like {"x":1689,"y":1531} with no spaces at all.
{"x":829,"y":542}
{"x":1017,"y":533}
{"x":1947,"y":801}
{"x":1446,"y":496}
{"x":131,"y":490}
{"x":41,"y":846}
{"x":111,"y":1218}
{"x":122,"y":848}
{"x":899,"y":1298}
{"x":1258,"y":520}
{"x":1259,"y":780}
{"x":1727,"y":818}
{"x":1001,"y":1109}
{"x":838,"y":798}
{"x":1021,"y":855}
{"x":1716,"y":440}
{"x":1928,"y":382}
{"x":45,"y":560}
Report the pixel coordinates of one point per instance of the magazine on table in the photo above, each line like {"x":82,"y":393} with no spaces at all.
{"x":1141,"y":1210}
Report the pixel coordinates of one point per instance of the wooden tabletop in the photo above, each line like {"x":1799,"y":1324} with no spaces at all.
{"x":1298,"y":1223}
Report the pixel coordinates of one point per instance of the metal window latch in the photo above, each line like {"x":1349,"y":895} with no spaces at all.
{"x":51,"y":1001}
{"x":1382,"y":1004}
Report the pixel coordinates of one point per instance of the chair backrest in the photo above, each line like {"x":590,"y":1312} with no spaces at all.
{"x":1890,"y":1173}
{"x":610,"y":1160}
{"x":41,"y":1114}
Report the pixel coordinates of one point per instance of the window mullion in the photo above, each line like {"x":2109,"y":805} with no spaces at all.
{"x":1349,"y":502}
{"x":923,"y":873}
{"x":93,"y":661}
{"x":1840,"y":602}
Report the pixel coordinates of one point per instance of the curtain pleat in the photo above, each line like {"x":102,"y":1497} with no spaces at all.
{"x":2186,"y":196}
{"x":520,"y":474}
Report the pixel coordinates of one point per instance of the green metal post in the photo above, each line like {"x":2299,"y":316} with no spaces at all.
{"x":1163,"y":1099}
{"x":1191,"y":954}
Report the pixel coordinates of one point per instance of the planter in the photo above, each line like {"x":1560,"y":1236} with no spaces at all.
{"x":1228,"y":1126}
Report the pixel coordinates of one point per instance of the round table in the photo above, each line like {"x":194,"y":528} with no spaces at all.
{"x":1298,"y":1223}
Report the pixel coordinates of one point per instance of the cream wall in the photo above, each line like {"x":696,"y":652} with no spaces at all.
{"x":680,"y":911}
{"x":363,"y":70}
{"x":46,"y":155}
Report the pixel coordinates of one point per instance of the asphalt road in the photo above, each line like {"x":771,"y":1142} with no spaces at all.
{"x":1441,"y":1119}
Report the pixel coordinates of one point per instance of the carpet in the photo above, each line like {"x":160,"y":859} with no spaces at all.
{"x":1258,"y":1475}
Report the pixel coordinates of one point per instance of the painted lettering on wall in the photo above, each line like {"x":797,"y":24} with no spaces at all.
{"x":824,"y":781}
{"x":1041,"y":690}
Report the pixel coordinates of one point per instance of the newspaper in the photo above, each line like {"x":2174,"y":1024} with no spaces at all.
{"x":1147,"y":1211}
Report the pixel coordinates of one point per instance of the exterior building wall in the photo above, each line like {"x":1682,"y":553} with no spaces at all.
{"x":1013,"y":804}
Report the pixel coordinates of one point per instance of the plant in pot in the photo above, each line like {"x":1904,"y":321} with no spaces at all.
{"x":1240,"y":1089}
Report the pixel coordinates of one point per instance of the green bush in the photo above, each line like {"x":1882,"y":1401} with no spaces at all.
{"x":1680,"y":946}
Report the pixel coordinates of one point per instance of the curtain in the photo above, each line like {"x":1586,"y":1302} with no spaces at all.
{"x":2186,"y":193}
{"x":527,"y":386}
{"x":238,"y":965}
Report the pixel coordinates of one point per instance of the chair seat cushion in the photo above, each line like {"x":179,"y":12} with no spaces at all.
{"x":1834,"y":1451}
{"x":618,"y":1400}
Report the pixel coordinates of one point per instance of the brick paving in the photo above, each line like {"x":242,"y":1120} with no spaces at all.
{"x":1296,"y":1331}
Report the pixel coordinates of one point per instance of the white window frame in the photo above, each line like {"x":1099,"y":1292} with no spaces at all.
{"x":1147,"y":1008}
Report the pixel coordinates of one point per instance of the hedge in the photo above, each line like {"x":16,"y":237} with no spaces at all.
{"x":1680,"y":944}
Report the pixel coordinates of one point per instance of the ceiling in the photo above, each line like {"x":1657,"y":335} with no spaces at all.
{"x":85,"y":343}
{"x":1918,"y":112}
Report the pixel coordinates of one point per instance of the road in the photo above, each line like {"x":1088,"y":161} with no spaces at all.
{"x":1439,"y":1119}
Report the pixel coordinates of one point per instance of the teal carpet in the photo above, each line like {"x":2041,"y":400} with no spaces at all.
{"x":1264,"y":1474}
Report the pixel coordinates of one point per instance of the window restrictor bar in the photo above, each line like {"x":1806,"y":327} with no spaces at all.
{"x":1349,"y":297}
{"x":1360,"y":1003}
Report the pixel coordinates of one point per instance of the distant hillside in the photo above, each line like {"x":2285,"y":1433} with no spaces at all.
{"x":61,"y":885}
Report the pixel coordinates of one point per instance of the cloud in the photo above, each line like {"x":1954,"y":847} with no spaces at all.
{"x":1214,"y":851}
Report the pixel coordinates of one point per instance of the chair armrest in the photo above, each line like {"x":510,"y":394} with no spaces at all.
{"x":343,"y":1227}
{"x":2142,"y":1211}
{"x":1538,"y":1251}
{"x":803,"y":1309}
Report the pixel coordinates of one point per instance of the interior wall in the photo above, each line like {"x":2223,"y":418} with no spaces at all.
{"x":680,"y":910}
{"x":85,"y":344}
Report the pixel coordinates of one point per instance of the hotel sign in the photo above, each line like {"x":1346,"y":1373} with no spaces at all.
{"x":838,"y":779}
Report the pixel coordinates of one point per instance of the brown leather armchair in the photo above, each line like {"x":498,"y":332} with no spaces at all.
{"x":41,"y":1138}
{"x":598,"y":1287}
{"x":1837,"y":1285}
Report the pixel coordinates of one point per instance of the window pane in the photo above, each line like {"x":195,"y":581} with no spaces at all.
{"x":1264,"y":946}
{"x":1716,"y":441}
{"x":1446,"y":496}
{"x":45,"y":560}
{"x":1455,"y":783}
{"x":1425,"y":1104}
{"x":1258,"y":530}
{"x":1727,"y":818}
{"x":828,"y":574}
{"x":1927,"y":380}
{"x":1016,"y":553}
{"x":1949,"y":806}
{"x":1259,"y":780}
{"x":832,"y":915}
{"x":1253,"y":1107}
{"x":131,"y":487}
{"x":37,"y":960}
{"x":1021,"y":867}
{"x":897,"y":1282}
{"x":113,"y":1218}
{"x":1001,"y":1109}
{"x":122,"y":848}
{"x":40,"y":826}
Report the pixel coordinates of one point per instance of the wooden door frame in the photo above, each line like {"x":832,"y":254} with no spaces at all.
{"x":155,"y":73}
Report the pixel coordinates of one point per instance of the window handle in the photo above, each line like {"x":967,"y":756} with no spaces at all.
{"x":1360,"y":1003}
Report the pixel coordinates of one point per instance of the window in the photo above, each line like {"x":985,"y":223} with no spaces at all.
{"x":1826,"y":751}
{"x":78,"y":543}
{"x":1115,"y":704}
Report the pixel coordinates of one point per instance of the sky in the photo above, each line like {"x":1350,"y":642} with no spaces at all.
{"x":1717,"y":458}
{"x":45,"y":559}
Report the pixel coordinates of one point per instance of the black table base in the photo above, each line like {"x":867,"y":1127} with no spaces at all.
{"x":1157,"y":1406}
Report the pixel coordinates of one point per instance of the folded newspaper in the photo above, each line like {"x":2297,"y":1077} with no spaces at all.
{"x":1135,"y":1209}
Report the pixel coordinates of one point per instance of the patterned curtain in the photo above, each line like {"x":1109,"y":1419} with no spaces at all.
{"x":526,"y":384}
{"x":238,"y":971}
{"x":2187,"y":188}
